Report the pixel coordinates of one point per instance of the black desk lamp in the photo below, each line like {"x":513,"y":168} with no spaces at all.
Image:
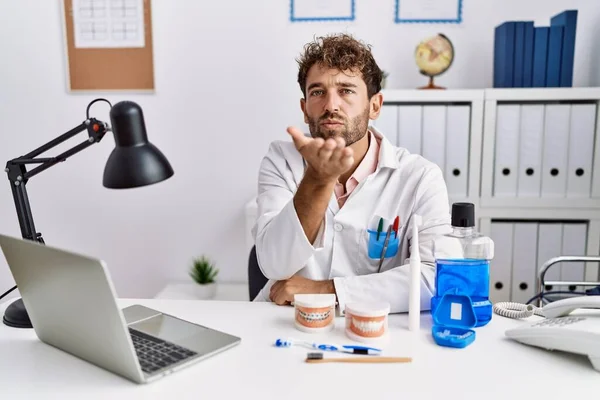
{"x":134,"y":162}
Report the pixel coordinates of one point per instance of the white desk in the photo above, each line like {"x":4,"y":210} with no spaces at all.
{"x":185,"y":291}
{"x":491,"y":368}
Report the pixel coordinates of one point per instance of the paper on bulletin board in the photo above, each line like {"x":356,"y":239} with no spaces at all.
{"x":108,"y":23}
{"x":316,"y":10}
{"x":429,"y":11}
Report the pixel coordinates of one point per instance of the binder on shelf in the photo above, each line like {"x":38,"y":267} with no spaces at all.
{"x":387,"y":123}
{"x":410,"y":122}
{"x":555,"y":41}
{"x":504,"y":52}
{"x":518,"y":65}
{"x":457,"y":150}
{"x":554,"y":156}
{"x":568,"y":20}
{"x":540,"y":55}
{"x":507,"y":151}
{"x":581,"y":150}
{"x":524,"y":262}
{"x":574,"y":243}
{"x":530,"y":150}
{"x":500,"y":267}
{"x":434,"y":134}
{"x":528,"y":55}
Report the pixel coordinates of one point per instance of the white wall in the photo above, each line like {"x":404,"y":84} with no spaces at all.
{"x":225,"y":87}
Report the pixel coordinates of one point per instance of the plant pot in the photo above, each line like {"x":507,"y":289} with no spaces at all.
{"x":205,"y":292}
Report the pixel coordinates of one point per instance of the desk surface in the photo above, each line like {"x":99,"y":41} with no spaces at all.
{"x":186,"y":291}
{"x":492,"y":366}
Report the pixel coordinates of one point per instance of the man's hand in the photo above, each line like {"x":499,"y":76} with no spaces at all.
{"x":327,"y":159}
{"x":282,"y":292}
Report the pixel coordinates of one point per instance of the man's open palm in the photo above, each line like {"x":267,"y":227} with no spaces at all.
{"x":327,"y":159}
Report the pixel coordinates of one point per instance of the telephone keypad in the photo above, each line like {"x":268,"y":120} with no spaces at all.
{"x":558,"y":322}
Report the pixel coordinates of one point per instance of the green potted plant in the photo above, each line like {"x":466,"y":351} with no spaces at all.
{"x":204,"y":272}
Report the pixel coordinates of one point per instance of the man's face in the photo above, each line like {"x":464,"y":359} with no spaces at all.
{"x":336,"y":104}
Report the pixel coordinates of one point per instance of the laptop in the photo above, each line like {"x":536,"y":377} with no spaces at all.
{"x":72,"y":306}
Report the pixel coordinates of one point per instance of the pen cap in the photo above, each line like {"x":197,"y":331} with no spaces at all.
{"x":463,"y":215}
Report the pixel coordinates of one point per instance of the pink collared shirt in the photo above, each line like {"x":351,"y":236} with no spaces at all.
{"x":366,"y":167}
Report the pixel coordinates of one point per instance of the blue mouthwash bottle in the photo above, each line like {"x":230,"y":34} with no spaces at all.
{"x":462,"y":260}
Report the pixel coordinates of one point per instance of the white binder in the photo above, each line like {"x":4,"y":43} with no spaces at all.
{"x":410,"y":128}
{"x":434,"y":134}
{"x":554,"y":158}
{"x":457,"y":150}
{"x":574,"y":243}
{"x":529,"y":177}
{"x":501,"y":265}
{"x":581,"y":150}
{"x":387,"y":122}
{"x":507,"y":150}
{"x":549,"y":246}
{"x":524,"y":262}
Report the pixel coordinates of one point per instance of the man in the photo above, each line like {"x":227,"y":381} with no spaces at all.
{"x":318,"y":195}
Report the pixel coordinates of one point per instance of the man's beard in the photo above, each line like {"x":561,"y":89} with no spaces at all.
{"x":352,"y":131}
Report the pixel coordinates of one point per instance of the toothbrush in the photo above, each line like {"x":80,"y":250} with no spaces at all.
{"x":328,"y":347}
{"x":414,"y":300}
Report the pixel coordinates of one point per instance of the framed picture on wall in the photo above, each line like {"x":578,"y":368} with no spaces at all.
{"x":428,"y":11}
{"x":322,"y":10}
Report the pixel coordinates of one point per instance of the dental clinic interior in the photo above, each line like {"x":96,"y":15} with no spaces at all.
{"x":299,"y":199}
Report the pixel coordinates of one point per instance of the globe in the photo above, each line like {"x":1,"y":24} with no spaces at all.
{"x":434,"y":56}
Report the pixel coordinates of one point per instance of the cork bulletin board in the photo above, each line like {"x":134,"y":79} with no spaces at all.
{"x":109,"y":45}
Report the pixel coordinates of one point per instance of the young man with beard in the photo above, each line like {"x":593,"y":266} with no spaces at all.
{"x":318,"y":195}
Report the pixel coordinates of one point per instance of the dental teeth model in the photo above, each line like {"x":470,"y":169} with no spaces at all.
{"x":314,"y":312}
{"x":367,"y":322}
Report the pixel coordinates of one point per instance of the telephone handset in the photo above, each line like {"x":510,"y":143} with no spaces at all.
{"x":559,"y":330}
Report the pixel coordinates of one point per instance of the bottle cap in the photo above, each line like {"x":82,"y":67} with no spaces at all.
{"x":463,"y":215}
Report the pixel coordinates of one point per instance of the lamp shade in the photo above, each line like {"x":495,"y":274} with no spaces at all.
{"x":134,"y":161}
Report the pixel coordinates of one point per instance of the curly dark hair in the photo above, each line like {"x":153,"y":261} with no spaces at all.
{"x":342,"y":52}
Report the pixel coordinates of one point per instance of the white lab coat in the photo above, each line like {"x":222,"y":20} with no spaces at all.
{"x":403,"y":184}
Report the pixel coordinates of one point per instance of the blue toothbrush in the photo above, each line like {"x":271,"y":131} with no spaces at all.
{"x":329,"y":347}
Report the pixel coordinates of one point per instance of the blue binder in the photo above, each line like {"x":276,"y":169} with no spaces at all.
{"x":519,"y":53}
{"x":504,"y":50}
{"x":568,"y":20}
{"x":555,"y":40}
{"x":528,"y":55}
{"x":540,"y":55}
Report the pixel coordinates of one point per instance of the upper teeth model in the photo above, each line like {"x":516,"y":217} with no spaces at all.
{"x":367,"y":326}
{"x":314,"y":316}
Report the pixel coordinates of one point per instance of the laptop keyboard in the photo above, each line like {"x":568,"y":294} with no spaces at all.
{"x":154,"y":353}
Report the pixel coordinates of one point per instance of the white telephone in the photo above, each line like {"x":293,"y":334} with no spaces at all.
{"x":579,"y":334}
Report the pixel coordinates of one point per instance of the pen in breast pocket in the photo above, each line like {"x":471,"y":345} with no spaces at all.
{"x":396,"y":225}
{"x":385,"y":245}
{"x":379,"y":228}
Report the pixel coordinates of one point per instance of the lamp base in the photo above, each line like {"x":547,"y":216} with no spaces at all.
{"x":16,"y":315}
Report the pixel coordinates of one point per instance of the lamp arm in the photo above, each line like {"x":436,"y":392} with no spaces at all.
{"x":18,"y":174}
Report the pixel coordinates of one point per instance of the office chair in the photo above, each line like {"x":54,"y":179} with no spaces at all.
{"x":256,"y":279}
{"x":543,"y":283}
